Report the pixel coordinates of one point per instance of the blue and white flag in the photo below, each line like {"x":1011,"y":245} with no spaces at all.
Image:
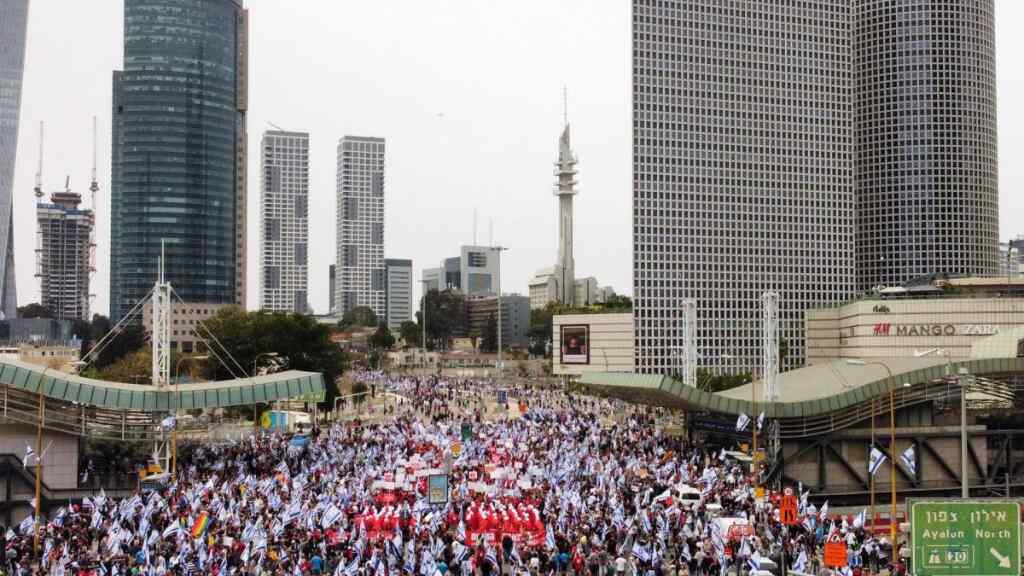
{"x":801,"y":562}
{"x":549,"y":539}
{"x":29,"y":453}
{"x":760,"y":421}
{"x":875,"y":460}
{"x":909,"y":460}
{"x":27,"y":524}
{"x":858,"y":521}
{"x":172,"y":529}
{"x":742,"y":422}
{"x":823,"y":514}
{"x":641,"y":553}
{"x":331,"y":515}
{"x":755,"y":561}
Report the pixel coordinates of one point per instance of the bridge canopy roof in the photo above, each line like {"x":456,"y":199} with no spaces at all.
{"x":292,"y":384}
{"x":810,"y":391}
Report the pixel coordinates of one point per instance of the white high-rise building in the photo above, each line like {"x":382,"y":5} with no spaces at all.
{"x":742,"y":173}
{"x":284,"y":229}
{"x":360,"y":225}
{"x":398,"y":289}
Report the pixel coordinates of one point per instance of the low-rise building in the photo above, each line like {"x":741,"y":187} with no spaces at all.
{"x":515,"y":318}
{"x":948,"y":316}
{"x":185,"y":320}
{"x":592,"y":343}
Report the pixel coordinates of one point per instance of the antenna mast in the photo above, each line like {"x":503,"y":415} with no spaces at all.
{"x":39,"y":172}
{"x":565,"y":104}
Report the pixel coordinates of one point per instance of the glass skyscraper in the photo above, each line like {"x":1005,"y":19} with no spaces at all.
{"x":179,"y":158}
{"x":927,"y":175}
{"x":13,"y":23}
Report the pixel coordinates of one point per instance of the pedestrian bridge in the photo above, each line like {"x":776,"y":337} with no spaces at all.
{"x":131,"y":412}
{"x":825,"y":398}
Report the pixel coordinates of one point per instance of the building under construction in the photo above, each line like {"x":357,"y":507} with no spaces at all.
{"x":63,"y":255}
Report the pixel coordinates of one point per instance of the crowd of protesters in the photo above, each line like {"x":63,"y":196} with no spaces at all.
{"x":450,"y":482}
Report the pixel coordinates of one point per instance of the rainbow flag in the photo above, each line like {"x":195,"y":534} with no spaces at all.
{"x":200,"y":525}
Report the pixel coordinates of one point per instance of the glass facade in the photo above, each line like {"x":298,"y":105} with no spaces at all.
{"x":13,"y":22}
{"x":927,"y":178}
{"x":178,"y":151}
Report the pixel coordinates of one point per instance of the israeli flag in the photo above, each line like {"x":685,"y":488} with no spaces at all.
{"x":755,"y":561}
{"x":168,"y":423}
{"x":909,"y":460}
{"x":549,"y":539}
{"x":29,"y":453}
{"x":824,"y":511}
{"x":858,"y":521}
{"x":742,"y":422}
{"x":875,"y":460}
{"x":760,"y":420}
{"x":801,"y":562}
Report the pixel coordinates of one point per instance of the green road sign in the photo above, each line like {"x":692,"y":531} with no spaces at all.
{"x":965,"y":537}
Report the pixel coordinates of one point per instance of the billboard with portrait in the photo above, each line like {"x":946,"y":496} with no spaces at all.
{"x":575,"y":344}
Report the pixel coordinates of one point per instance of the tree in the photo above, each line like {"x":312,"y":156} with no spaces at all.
{"x":540,"y":329}
{"x":305,"y":344}
{"x":446,"y":316}
{"x":129,"y":339}
{"x":489,"y":339}
{"x":359,"y":316}
{"x":410,"y":332}
{"x":618,"y":303}
{"x":783,"y":353}
{"x":709,"y":382}
{"x":474,"y":336}
{"x":382,"y":338}
{"x":34,"y":310}
{"x":133,"y":368}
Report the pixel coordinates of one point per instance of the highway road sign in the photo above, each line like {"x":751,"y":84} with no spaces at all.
{"x":977,"y":537}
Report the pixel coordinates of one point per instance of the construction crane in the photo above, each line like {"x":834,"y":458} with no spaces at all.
{"x":39,"y":172}
{"x":94,"y":187}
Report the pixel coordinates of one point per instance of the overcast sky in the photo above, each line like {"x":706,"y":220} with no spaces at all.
{"x":468,"y":94}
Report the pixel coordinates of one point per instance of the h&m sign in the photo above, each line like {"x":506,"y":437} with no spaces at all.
{"x":886,"y":329}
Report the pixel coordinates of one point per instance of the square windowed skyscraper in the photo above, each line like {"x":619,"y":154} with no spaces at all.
{"x":360,"y":219}
{"x":284,"y":232}
{"x":742,"y":173}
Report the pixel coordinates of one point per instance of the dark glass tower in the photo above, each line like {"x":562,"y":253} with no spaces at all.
{"x":13,"y":23}
{"x":927,"y":177}
{"x":178,"y":164}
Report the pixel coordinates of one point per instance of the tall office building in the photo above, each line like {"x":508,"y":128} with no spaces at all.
{"x":360,"y":225}
{"x":63,"y":255}
{"x":179,"y":155}
{"x":925,"y":114}
{"x":13,"y":24}
{"x":397,"y":292}
{"x":284,"y":226}
{"x":743,"y":176}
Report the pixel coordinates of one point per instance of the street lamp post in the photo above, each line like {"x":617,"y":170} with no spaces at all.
{"x":39,"y":465}
{"x":965,"y":489}
{"x":501,"y":363}
{"x":177,"y":409}
{"x":255,"y":415}
{"x":892,"y":447}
